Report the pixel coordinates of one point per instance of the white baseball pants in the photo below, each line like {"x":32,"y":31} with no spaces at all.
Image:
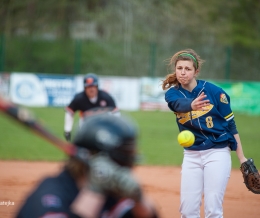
{"x":204,"y":172}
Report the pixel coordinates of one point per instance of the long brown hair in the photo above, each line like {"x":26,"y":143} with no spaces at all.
{"x":185,"y":55}
{"x":76,"y":168}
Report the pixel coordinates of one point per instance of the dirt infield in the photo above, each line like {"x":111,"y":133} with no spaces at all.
{"x":162,"y":184}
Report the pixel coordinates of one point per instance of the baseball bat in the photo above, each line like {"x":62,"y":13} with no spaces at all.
{"x":25,"y":117}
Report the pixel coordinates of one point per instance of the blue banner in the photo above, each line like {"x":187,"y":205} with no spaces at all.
{"x":42,"y":90}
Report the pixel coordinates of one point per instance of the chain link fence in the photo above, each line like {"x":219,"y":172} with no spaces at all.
{"x":135,"y":59}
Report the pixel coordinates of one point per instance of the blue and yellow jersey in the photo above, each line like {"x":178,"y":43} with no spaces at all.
{"x":210,"y":127}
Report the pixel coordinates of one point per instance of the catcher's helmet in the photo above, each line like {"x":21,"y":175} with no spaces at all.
{"x":90,"y":79}
{"x":113,"y":135}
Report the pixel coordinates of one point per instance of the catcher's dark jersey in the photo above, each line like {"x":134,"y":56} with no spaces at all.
{"x":53,"y":197}
{"x":82,"y":103}
{"x":211,"y":128}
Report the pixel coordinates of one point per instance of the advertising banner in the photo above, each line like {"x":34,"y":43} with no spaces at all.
{"x":245,"y":96}
{"x":124,"y":90}
{"x":152,"y":95}
{"x":41,"y":90}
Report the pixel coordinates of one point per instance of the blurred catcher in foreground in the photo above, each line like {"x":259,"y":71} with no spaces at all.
{"x":103,"y":185}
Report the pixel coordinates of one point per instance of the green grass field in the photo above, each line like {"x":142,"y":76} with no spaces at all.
{"x":157,"y":137}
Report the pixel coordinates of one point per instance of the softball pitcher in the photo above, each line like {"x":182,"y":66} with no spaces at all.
{"x":204,"y":109}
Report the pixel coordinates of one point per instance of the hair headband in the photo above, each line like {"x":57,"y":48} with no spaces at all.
{"x":191,"y":56}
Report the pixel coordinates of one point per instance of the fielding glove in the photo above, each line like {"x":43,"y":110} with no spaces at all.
{"x":251,"y":176}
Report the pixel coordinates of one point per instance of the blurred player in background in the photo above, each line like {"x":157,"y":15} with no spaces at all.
{"x":90,"y":98}
{"x":204,"y":109}
{"x":100,"y":183}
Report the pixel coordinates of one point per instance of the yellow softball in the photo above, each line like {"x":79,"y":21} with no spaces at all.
{"x":186,"y":138}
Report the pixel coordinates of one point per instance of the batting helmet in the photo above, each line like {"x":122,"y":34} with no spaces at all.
{"x":90,"y":79}
{"x":113,"y":135}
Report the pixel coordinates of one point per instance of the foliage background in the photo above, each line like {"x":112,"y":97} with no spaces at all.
{"x":129,"y":38}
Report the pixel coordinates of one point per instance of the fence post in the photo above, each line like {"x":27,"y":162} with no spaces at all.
{"x":2,"y":52}
{"x":77,"y":58}
{"x":152,"y":59}
{"x":228,"y":63}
